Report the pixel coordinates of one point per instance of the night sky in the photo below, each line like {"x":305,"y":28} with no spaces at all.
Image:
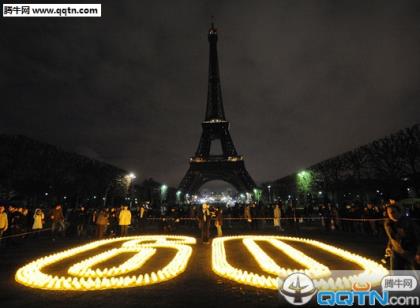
{"x":302,"y":81}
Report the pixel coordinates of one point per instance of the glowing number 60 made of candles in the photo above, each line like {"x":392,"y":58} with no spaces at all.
{"x":84,"y":278}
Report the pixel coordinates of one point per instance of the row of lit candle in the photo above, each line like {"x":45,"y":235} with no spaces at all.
{"x":373,"y":272}
{"x":84,"y":268}
{"x":313,"y":269}
{"x":84,"y":278}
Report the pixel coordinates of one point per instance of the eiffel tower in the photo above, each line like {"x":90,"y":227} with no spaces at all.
{"x":205,"y":167}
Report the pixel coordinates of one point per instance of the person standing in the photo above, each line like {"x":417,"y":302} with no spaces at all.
{"x":335,"y":218}
{"x":91,"y":224}
{"x":254,"y":214}
{"x":38,"y":221}
{"x":124,"y":220}
{"x":141,"y":217}
{"x":81,"y":220}
{"x":4,"y":223}
{"x":403,"y":240}
{"x":228,"y":214}
{"x":113,"y":222}
{"x":25,"y":222}
{"x":204,"y":218}
{"x":277,"y":217}
{"x":326,"y":215}
{"x":219,"y":222}
{"x":15,"y":221}
{"x":370,"y":215}
{"x":171,"y":220}
{"x":247,"y":215}
{"x":192,"y":215}
{"x":101,"y":223}
{"x":57,"y":219}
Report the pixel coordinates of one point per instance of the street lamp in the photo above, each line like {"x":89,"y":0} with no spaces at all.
{"x":163,"y":190}
{"x":178,"y":196}
{"x":303,"y":173}
{"x":304,"y":183}
{"x":130,"y":178}
{"x":257,"y":194}
{"x":269,"y":193}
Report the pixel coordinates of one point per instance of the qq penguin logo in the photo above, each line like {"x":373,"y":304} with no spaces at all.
{"x":298,"y":289}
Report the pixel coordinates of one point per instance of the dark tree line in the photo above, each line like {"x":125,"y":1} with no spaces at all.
{"x":32,"y":171}
{"x":389,"y":167}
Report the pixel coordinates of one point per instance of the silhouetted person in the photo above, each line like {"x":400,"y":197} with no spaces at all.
{"x":101,"y":223}
{"x":219,"y":222}
{"x":81,"y":218}
{"x":141,"y":217}
{"x":403,"y":240}
{"x":204,"y":218}
{"x":326,"y":214}
{"x":254,"y":215}
{"x":248,"y":215}
{"x":113,"y":222}
{"x":57,"y":219}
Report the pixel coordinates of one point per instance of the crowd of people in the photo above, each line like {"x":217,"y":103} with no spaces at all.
{"x":18,"y":222}
{"x":387,"y":220}
{"x":114,"y":221}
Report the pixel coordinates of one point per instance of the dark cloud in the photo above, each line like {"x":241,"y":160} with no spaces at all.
{"x":302,"y":80}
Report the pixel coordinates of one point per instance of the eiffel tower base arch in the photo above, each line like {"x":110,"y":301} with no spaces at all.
{"x":233,"y":172}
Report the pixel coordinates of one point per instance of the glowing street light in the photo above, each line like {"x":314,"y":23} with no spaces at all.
{"x":178,"y":196}
{"x":257,"y":194}
{"x":163,"y":190}
{"x":304,"y":181}
{"x":130,"y":178}
{"x":303,"y":174}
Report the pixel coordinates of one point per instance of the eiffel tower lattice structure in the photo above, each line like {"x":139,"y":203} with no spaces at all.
{"x":204,"y":166}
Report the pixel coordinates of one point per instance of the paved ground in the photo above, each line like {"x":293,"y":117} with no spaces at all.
{"x":198,"y":286}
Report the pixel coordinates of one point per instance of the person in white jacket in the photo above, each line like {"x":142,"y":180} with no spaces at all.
{"x":124,"y":220}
